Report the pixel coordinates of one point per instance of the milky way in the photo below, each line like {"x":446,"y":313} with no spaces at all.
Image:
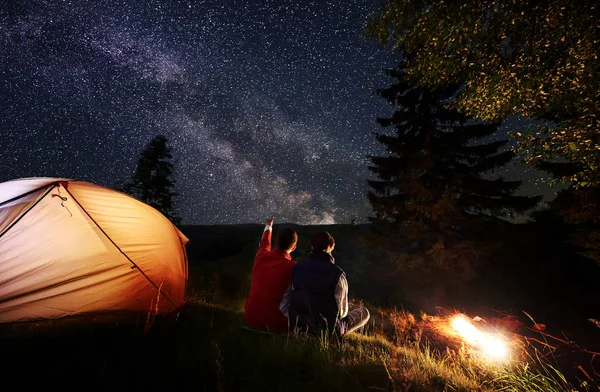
{"x":269,"y":105}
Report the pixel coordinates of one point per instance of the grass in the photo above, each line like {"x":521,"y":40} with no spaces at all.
{"x":205,"y":349}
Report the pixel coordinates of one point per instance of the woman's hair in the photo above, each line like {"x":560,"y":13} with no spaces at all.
{"x":322,"y":241}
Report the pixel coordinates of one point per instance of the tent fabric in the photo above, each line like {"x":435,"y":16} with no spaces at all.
{"x":72,"y":247}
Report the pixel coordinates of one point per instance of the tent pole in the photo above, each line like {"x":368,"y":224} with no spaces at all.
{"x":50,"y":187}
{"x":27,"y":193}
{"x":119,"y":249}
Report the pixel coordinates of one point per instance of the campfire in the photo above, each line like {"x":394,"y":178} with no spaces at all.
{"x":503,"y":340}
{"x":490,"y":340}
{"x":492,"y":346}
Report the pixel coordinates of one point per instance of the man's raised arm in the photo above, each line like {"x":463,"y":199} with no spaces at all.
{"x":265,"y":242}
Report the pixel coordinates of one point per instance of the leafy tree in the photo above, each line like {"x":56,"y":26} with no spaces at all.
{"x":537,"y":59}
{"x":431,"y":198}
{"x":152,"y":180}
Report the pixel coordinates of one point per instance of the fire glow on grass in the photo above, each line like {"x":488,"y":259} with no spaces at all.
{"x":492,"y":346}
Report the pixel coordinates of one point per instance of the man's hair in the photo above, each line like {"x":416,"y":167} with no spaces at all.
{"x":322,"y":240}
{"x":286,"y":239}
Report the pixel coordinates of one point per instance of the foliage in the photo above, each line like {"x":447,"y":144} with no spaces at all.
{"x":152,"y":180}
{"x":431,"y":198}
{"x":537,"y":59}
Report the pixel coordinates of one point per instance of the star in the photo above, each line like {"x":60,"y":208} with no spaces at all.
{"x":269,"y":106}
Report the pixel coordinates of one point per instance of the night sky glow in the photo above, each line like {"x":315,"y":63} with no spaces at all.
{"x":269,"y":105}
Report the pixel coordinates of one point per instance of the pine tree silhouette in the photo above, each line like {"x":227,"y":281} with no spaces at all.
{"x":152,"y":180}
{"x":431,"y":198}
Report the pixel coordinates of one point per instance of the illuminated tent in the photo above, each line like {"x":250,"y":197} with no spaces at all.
{"x":71,"y":247}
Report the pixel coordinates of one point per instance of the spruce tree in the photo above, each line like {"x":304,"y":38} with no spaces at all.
{"x":153,"y":181}
{"x":431,"y":199}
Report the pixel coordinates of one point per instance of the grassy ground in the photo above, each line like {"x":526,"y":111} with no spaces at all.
{"x":205,"y":349}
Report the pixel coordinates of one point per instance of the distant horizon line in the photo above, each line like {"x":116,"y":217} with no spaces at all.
{"x":275,"y":224}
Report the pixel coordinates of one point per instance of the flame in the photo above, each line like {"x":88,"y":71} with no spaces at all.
{"x":492,"y":346}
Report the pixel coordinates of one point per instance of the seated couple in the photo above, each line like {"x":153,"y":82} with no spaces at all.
{"x":310,"y":296}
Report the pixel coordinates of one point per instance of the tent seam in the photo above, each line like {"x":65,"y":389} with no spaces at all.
{"x":50,"y":187}
{"x":119,"y":249}
{"x":27,"y":193}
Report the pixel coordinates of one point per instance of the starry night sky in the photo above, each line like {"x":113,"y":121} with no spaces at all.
{"x":269,"y":106}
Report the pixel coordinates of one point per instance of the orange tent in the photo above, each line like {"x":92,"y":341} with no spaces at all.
{"x":71,"y":247}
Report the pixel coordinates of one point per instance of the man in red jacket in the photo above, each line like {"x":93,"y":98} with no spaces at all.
{"x":271,"y":277}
